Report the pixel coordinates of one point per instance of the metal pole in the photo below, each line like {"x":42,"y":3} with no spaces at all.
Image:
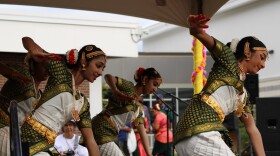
{"x":15,"y":144}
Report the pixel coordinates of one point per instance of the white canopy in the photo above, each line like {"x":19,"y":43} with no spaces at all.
{"x":168,"y":11}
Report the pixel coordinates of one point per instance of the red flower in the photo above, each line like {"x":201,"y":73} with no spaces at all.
{"x":140,"y":71}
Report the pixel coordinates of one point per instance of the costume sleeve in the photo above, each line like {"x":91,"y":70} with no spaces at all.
{"x":139,"y":119}
{"x":223,"y":55}
{"x":125,"y":86}
{"x":85,"y":121}
{"x":248,"y":106}
{"x":58,"y":74}
{"x":13,"y":89}
{"x":60,"y":80}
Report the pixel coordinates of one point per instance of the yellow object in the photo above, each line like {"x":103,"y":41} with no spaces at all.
{"x":198,"y":67}
{"x":41,"y":129}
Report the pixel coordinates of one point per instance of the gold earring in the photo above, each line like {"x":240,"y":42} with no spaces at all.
{"x":143,"y":82}
{"x":83,"y":61}
{"x":247,"y":51}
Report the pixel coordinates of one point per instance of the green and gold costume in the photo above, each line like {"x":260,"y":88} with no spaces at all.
{"x":104,"y":129}
{"x":199,"y":116}
{"x":39,"y":135}
{"x":14,"y":90}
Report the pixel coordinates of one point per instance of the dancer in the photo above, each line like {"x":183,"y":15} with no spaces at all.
{"x":200,"y":130}
{"x":22,"y":86}
{"x":124,"y":107}
{"x":61,"y":101}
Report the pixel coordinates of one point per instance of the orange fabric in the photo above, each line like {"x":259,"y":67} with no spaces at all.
{"x":161,"y":133}
{"x":141,"y":149}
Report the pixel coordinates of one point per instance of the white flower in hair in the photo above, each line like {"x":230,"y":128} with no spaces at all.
{"x":72,"y":56}
{"x":233,"y":44}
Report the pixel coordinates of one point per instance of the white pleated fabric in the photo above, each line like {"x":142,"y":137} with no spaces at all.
{"x":5,"y":141}
{"x":54,"y":115}
{"x":211,"y":143}
{"x":110,"y":149}
{"x":204,"y":144}
{"x":42,"y":154}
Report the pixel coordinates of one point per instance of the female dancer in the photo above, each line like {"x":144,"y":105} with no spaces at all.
{"x":124,"y":107}
{"x":61,"y":101}
{"x":200,"y":130}
{"x":22,"y":86}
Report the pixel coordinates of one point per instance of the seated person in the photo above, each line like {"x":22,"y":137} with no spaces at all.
{"x":68,"y":142}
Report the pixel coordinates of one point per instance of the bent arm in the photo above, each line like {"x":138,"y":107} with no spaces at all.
{"x":11,"y":73}
{"x":254,"y":134}
{"x":36,"y":52}
{"x":30,"y":45}
{"x":111,"y":81}
{"x":92,"y":147}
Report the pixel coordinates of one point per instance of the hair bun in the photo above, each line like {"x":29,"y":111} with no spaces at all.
{"x":72,"y":56}
{"x":138,"y":73}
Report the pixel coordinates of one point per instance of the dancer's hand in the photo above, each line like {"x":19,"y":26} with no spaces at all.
{"x":197,"y":23}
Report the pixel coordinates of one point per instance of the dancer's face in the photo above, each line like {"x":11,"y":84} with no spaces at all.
{"x":95,"y":68}
{"x":152,"y":85}
{"x":256,"y":62}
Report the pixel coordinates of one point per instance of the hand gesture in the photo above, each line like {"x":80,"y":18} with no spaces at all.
{"x":197,"y":23}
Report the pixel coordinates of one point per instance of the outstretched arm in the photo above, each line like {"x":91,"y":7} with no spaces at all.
{"x":254,"y":134}
{"x":37,"y":52}
{"x":196,"y":25}
{"x":10,"y":73}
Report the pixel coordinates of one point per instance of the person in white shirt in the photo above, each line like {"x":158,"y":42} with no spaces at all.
{"x":67,"y":143}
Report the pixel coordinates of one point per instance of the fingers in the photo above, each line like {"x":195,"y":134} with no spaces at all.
{"x":198,"y":21}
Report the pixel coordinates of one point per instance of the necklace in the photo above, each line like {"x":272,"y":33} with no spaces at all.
{"x":77,"y":103}
{"x":243,"y":75}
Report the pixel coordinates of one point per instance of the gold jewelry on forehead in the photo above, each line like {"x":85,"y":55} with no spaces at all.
{"x":95,"y":53}
{"x":247,"y":49}
{"x":89,"y":48}
{"x":259,"y":49}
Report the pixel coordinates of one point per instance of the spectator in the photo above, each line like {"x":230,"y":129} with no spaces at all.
{"x":68,"y":142}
